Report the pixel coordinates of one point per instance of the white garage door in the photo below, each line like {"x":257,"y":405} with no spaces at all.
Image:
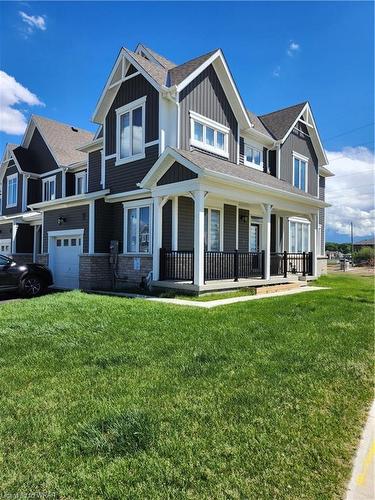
{"x":65,"y":261}
{"x":5,"y":246}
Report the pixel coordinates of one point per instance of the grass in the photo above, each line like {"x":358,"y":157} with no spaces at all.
{"x":113,"y":398}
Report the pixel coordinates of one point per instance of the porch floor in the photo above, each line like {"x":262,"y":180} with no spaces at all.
{"x":217,"y":285}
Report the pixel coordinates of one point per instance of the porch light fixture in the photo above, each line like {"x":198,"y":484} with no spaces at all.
{"x":244,"y":219}
{"x":61,"y":220}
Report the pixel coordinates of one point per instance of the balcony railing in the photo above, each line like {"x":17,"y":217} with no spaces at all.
{"x":178,"y":265}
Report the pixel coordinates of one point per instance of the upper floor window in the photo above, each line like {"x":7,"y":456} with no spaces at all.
{"x":49,"y":188}
{"x":208,"y":134}
{"x":253,"y":157}
{"x":137,"y":228}
{"x":130,"y":139}
{"x":12,"y":189}
{"x":300,"y":171}
{"x":81,"y":182}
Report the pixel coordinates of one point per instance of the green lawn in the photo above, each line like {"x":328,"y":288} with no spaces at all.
{"x":106,"y":397}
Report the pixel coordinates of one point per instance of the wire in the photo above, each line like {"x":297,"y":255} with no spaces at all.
{"x":349,"y":131}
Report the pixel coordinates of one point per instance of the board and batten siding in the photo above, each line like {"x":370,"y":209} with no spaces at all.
{"x":94,"y":171}
{"x":176,"y":173}
{"x":75,"y":218}
{"x":322,"y":215}
{"x":42,"y":159}
{"x":206,"y":96}
{"x":12,"y":169}
{"x":299,"y":142}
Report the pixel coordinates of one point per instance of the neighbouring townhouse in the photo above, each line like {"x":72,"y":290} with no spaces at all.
{"x":181,"y":186}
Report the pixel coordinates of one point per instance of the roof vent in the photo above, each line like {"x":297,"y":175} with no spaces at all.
{"x":74,"y":129}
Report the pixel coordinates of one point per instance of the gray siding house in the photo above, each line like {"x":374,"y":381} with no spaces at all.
{"x":184,"y":186}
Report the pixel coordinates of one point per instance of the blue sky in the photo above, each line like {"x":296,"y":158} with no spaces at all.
{"x":64,"y":57}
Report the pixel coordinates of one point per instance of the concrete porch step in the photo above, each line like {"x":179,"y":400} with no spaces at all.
{"x":281,"y":287}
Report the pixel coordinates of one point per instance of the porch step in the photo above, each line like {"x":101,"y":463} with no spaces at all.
{"x":282,"y":287}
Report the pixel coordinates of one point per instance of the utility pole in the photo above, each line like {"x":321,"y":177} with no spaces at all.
{"x":351,"y":236}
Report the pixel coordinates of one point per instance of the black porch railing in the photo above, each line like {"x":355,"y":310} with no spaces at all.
{"x":178,"y":265}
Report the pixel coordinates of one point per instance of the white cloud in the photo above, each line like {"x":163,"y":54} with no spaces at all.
{"x":276,"y":72}
{"x":293,"y":47}
{"x":33,"y":23}
{"x":351,"y":191}
{"x":12,"y":120}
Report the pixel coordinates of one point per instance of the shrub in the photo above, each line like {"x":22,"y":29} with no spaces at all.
{"x":366,"y":254}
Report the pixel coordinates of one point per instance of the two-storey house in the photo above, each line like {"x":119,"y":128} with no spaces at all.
{"x":188,"y":188}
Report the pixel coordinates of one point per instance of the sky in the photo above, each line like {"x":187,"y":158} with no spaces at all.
{"x":55,"y":58}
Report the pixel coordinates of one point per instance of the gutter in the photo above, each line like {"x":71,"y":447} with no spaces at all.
{"x":70,"y":199}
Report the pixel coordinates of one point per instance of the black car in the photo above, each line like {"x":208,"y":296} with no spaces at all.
{"x":30,"y":280}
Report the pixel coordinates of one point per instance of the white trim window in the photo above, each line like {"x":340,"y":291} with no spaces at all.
{"x":49,"y":188}
{"x":1,"y":203}
{"x":213,"y":233}
{"x":12,"y":190}
{"x":299,"y":236}
{"x":130,"y":135}
{"x":300,"y":171}
{"x":137,"y":228}
{"x":208,"y":134}
{"x":81,"y":182}
{"x":253,"y":156}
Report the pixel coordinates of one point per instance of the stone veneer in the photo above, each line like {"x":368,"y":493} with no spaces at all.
{"x":322,"y":265}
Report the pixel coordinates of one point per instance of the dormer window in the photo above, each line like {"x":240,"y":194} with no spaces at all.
{"x":130,"y":137}
{"x":253,"y":157}
{"x":208,"y":134}
{"x":300,"y":164}
{"x":49,"y":188}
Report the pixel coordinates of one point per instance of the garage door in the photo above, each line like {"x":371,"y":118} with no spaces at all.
{"x":5,"y":246}
{"x":65,"y":262}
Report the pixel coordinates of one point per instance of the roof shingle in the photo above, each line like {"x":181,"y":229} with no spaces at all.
{"x":279,"y":122}
{"x":177,"y":74}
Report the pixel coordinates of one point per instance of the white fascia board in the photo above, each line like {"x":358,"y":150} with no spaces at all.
{"x":127,"y":196}
{"x":255,"y":135}
{"x":28,"y":133}
{"x":324,"y":172}
{"x":91,"y":146}
{"x":78,"y":199}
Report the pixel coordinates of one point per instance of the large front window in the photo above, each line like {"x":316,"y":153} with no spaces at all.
{"x":300,"y":173}
{"x":299,"y":236}
{"x":130,"y":131}
{"x":209,"y":135}
{"x":49,"y":189}
{"x":12,"y":188}
{"x":137,"y":230}
{"x":212,"y":229}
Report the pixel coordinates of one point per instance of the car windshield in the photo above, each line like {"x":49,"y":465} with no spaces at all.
{"x":4,"y":260}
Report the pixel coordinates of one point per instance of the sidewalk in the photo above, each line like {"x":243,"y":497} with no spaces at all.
{"x":362,"y":483}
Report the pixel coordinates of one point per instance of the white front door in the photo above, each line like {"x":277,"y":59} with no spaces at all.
{"x":5,"y":246}
{"x":65,"y":260}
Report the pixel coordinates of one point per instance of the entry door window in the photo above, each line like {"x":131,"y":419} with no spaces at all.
{"x":254,"y":238}
{"x":212,"y":229}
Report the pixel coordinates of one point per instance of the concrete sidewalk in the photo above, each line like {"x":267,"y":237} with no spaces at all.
{"x":362,"y":483}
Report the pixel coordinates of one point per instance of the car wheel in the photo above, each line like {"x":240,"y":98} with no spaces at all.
{"x":31,"y":286}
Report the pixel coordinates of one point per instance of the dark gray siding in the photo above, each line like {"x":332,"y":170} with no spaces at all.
{"x":230,"y":212}
{"x":273,"y":233}
{"x":6,"y":231}
{"x":34,"y":191}
{"x":42,"y":159}
{"x":322,"y":215}
{"x":176,"y":173}
{"x":167,"y":226}
{"x":185,"y":223}
{"x":103,"y":226}
{"x":70,"y":184}
{"x":299,"y":142}
{"x":25,"y":238}
{"x":205,"y":96}
{"x":272,"y":162}
{"x":12,"y":169}
{"x":75,"y":218}
{"x":94,"y":171}
{"x":118,"y":224}
{"x":243,"y":230}
{"x":120,"y":178}
{"x":130,"y":91}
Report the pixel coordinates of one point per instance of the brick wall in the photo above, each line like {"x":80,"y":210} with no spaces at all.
{"x":95,"y":272}
{"x":42,"y":258}
{"x":22,"y":258}
{"x":127,"y":273}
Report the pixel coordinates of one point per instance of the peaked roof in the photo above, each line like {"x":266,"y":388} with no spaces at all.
{"x":63,"y":140}
{"x":177,"y":74}
{"x":158,"y":73}
{"x":280,"y":121}
{"x":163,"y":61}
{"x":258,"y":125}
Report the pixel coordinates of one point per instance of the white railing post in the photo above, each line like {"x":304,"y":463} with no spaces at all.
{"x":313,"y":243}
{"x":157,"y":238}
{"x":175,"y":223}
{"x":199,"y":238}
{"x":267,"y":209}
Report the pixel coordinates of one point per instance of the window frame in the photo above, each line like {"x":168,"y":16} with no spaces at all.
{"x":217,"y":127}
{"x":10,"y":178}
{"x":296,"y":222}
{"x":221,"y":236}
{"x":137,"y":205}
{"x":305,"y":159}
{"x":128,"y":108}
{"x":252,"y":163}
{"x":49,"y":180}
{"x":80,"y":175}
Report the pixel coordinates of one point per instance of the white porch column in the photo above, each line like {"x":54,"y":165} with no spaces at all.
{"x":199,"y":237}
{"x":313,"y":242}
{"x":267,"y":209}
{"x":157,"y":235}
{"x":175,"y":223}
{"x":14,"y":237}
